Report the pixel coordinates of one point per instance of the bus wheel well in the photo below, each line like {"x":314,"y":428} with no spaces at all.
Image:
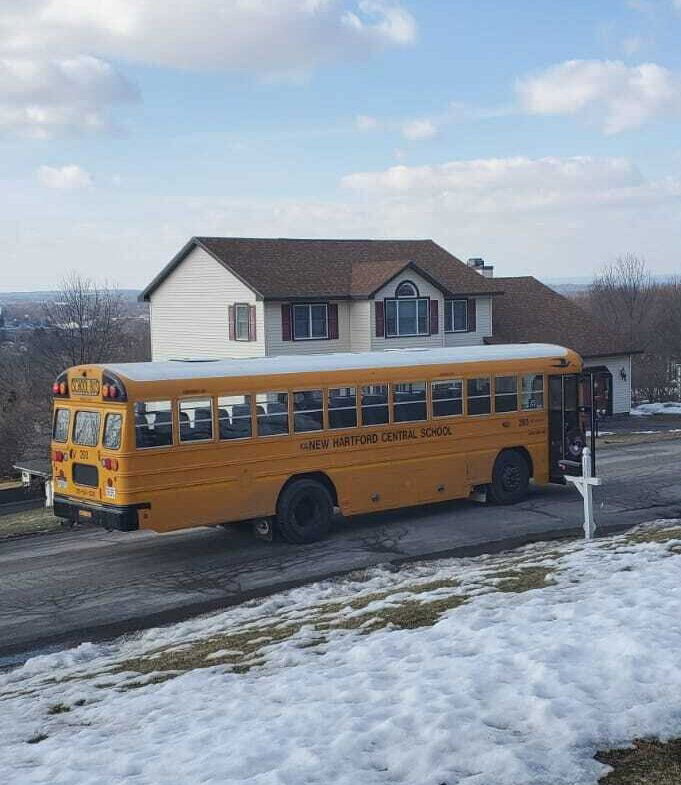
{"x":319,"y":477}
{"x":526,"y":455}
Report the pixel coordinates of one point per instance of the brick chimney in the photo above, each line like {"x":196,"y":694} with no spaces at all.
{"x":481,"y":266}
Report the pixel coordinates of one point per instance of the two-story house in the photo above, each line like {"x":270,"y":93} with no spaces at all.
{"x":234,"y":297}
{"x":242,"y":297}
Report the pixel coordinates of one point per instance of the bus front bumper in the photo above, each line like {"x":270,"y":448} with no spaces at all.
{"x":109,"y":516}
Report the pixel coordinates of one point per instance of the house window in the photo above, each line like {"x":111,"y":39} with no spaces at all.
{"x":407,"y":313}
{"x":310,"y":321}
{"x":242,"y":313}
{"x":456,"y":316}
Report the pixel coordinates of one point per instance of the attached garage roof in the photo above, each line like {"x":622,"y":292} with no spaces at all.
{"x":279,"y":269}
{"x":530,"y":311}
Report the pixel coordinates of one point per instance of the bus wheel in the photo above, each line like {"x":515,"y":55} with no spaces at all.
{"x":304,"y":511}
{"x":510,"y":478}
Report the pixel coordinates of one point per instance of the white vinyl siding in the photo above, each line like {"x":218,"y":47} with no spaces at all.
{"x":190,"y":312}
{"x":275,"y":345}
{"x":621,"y":388}
{"x":361,"y":325}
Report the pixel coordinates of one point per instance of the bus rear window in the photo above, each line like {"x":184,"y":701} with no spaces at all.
{"x":112,"y":431}
{"x":60,"y":432}
{"x":86,"y":429}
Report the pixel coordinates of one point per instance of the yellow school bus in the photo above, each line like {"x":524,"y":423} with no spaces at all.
{"x":285,"y":440}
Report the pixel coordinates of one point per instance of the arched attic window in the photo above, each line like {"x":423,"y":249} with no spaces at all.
{"x":406,"y":289}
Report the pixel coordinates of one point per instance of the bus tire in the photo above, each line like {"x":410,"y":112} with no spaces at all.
{"x":304,"y":512}
{"x":510,"y":478}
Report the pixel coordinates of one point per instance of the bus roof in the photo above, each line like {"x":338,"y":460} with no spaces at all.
{"x":176,"y":370}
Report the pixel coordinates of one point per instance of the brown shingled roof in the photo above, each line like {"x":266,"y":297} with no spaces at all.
{"x":531,"y":312}
{"x":281,"y":268}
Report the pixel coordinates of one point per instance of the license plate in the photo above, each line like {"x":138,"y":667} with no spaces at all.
{"x":61,"y":484}
{"x":84,"y":514}
{"x":110,"y":492}
{"x":81,"y":385}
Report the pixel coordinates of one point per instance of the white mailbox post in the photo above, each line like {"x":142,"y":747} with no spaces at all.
{"x":584,"y":485}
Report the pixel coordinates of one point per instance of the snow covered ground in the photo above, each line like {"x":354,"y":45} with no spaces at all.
{"x":499,"y":670}
{"x":647,"y":409}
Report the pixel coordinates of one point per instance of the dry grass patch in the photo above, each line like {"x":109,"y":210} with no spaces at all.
{"x":523,"y":579}
{"x":648,"y":762}
{"x":58,"y":708}
{"x":237,"y":649}
{"x":660,"y":535}
{"x":37,"y":519}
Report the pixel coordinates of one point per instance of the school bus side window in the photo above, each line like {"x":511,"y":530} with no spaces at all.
{"x":342,"y":407}
{"x":505,"y":393}
{"x":271,"y":409}
{"x":533,"y":391}
{"x":375,"y":404}
{"x":112,"y":431}
{"x":479,"y":398}
{"x":196,"y":420}
{"x":234,"y":416}
{"x":308,"y":406}
{"x":409,"y":402}
{"x":61,"y":425}
{"x":447,"y":397}
{"x":153,"y":424}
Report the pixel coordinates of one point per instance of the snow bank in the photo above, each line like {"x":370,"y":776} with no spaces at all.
{"x":509,"y":688}
{"x":646,"y":409}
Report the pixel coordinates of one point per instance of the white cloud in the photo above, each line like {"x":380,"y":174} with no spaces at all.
{"x":65,"y":178}
{"x":42,"y":98}
{"x":618,"y":96}
{"x":74,"y":88}
{"x":365,"y":122}
{"x":540,"y":216}
{"x":286,"y":36}
{"x":417,"y":130}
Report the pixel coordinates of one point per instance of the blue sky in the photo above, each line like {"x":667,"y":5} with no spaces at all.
{"x":542,"y":136}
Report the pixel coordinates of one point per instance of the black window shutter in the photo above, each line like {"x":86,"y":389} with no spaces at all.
{"x":472,"y":315}
{"x":232,"y":326}
{"x":286,"y":331}
{"x":380,"y":319}
{"x":251,"y":323}
{"x":434,"y":318}
{"x":332,"y":310}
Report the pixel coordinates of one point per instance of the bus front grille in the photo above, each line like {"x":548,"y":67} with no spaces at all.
{"x":85,"y":474}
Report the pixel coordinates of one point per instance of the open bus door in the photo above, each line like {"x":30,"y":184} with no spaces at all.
{"x":571,"y":418}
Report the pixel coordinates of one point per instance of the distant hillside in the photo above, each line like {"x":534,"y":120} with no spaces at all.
{"x":568,"y":289}
{"x":41,"y":297}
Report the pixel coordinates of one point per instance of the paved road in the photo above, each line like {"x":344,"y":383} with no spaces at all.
{"x":69,"y":587}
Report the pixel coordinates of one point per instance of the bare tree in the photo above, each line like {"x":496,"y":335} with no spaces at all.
{"x":81,"y":322}
{"x":645,"y":315}
{"x":23,"y":407}
{"x":625,"y":296}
